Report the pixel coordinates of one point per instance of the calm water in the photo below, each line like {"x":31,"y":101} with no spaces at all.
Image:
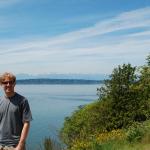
{"x":50,"y":104}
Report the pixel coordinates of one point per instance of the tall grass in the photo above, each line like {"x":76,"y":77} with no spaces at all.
{"x":51,"y":144}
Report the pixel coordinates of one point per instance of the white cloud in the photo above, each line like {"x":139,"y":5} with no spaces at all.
{"x":95,"y":49}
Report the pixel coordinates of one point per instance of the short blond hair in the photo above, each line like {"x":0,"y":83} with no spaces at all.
{"x":7,"y":74}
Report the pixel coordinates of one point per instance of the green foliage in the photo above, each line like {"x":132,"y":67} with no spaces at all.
{"x":144,"y":80}
{"x":85,"y":121}
{"x":138,"y":132}
{"x":136,"y":137}
{"x":104,"y":146}
{"x":148,"y":60}
{"x":135,"y":133}
{"x":123,"y":100}
{"x":128,"y":96}
{"x":50,"y":144}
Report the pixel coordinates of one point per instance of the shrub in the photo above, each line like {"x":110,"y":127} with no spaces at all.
{"x":110,"y":136}
{"x":85,"y":121}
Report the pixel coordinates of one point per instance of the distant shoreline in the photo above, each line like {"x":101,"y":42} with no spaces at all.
{"x":59,"y":81}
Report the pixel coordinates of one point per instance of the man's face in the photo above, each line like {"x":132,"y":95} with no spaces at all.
{"x":8,"y":85}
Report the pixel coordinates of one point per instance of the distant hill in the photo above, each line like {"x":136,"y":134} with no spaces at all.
{"x":58,"y":81}
{"x":63,"y":76}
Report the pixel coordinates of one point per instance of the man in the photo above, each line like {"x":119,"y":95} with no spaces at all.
{"x":15,"y":116}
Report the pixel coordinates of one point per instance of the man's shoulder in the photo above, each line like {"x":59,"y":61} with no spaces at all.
{"x":20,"y":97}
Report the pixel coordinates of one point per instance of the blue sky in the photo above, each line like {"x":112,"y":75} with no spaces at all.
{"x":73,"y":36}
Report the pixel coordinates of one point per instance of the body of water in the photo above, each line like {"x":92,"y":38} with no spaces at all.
{"x":50,"y":104}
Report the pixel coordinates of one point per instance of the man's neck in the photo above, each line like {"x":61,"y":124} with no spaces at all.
{"x":9,"y":94}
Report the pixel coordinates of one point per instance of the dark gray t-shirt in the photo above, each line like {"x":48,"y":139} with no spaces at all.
{"x":14,"y":112}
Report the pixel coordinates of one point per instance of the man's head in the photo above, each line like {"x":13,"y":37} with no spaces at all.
{"x":8,"y":81}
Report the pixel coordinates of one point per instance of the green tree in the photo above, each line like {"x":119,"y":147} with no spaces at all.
{"x":128,"y":95}
{"x":123,"y":100}
{"x":148,"y":60}
{"x":143,"y":89}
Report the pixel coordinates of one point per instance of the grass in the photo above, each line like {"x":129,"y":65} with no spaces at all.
{"x":137,"y":137}
{"x":121,"y":145}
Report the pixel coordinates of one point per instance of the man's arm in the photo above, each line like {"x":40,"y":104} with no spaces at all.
{"x":23,"y":136}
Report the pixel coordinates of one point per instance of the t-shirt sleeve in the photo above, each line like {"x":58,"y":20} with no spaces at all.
{"x":27,"y":115}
